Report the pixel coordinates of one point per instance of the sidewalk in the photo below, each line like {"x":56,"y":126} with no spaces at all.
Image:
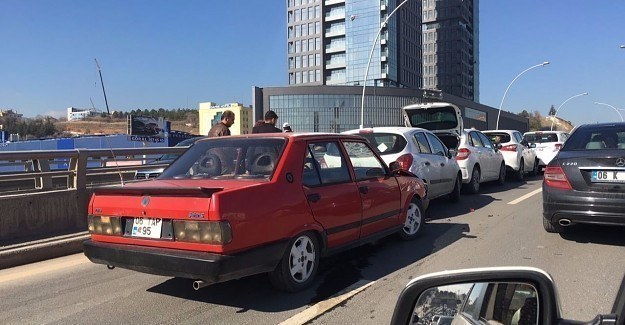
{"x":43,"y":249}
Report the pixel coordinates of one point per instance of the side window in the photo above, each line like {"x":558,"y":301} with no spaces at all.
{"x":437,"y":147}
{"x":485,"y":140}
{"x":475,"y":138}
{"x":473,"y":305}
{"x":422,"y":143}
{"x":329,"y":162}
{"x":310,"y":175}
{"x":518,"y":137}
{"x":366,"y":164}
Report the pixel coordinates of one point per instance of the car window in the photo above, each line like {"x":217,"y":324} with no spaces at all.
{"x":498,"y":137}
{"x":486,"y":141}
{"x":366,"y":164}
{"x":437,"y":147}
{"x":473,"y":305}
{"x":541,"y":137}
{"x":596,"y":138}
{"x":518,"y":137}
{"x":330,"y":162}
{"x":385,"y":143}
{"x":422,"y":142}
{"x":475,"y":139}
{"x":310,"y":175}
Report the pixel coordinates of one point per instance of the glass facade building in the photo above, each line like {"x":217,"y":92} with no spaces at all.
{"x":329,"y":42}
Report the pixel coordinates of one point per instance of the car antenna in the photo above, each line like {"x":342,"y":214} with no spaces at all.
{"x":121,"y":176}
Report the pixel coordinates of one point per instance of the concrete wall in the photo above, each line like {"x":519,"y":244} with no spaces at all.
{"x":32,"y":216}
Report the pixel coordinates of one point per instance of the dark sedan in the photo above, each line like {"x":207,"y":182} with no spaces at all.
{"x":585,"y":182}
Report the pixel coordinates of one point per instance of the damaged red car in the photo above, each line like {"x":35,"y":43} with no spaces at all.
{"x":235,"y":206}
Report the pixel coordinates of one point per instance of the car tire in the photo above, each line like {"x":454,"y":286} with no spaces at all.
{"x":535,"y":170}
{"x":551,"y":227}
{"x":521,"y":172}
{"x":454,"y":196}
{"x":298,"y":267}
{"x":502,"y":174}
{"x":415,"y":217}
{"x":474,"y":184}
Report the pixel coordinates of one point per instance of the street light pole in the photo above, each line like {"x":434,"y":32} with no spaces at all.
{"x":553,"y":119}
{"x":614,"y":108}
{"x":375,"y":41}
{"x":513,"y":80}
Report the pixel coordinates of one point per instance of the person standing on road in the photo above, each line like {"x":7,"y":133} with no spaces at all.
{"x":269,"y":125}
{"x":222,"y":128}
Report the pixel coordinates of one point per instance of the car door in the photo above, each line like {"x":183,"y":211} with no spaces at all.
{"x":480,"y":154}
{"x":427,"y":166}
{"x":332,"y":194}
{"x":528,"y":154}
{"x":379,"y":191}
{"x":441,"y":161}
{"x":493,"y":157}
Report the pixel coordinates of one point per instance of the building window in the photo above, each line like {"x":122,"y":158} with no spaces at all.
{"x":317,"y":59}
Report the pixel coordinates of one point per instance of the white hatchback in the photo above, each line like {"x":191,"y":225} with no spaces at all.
{"x":518,"y":154}
{"x":420,"y":152}
{"x":548,"y":144}
{"x":479,"y":160}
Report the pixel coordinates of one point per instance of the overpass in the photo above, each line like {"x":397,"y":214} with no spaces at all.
{"x":44,"y":196}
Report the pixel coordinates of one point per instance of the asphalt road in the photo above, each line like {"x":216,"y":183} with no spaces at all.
{"x":587,"y":264}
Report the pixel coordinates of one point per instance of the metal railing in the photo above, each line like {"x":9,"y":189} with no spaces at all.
{"x":42,"y":170}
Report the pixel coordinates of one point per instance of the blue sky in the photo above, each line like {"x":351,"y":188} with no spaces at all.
{"x":178,"y":53}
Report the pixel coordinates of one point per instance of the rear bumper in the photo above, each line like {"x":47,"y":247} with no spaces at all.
{"x":210,"y":267}
{"x":583,"y":207}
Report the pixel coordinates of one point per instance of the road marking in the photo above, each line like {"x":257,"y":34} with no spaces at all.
{"x":323,"y":306}
{"x":25,"y":271}
{"x":526,"y":196}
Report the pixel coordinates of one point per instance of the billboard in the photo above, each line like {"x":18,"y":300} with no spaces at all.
{"x":147,"y":129}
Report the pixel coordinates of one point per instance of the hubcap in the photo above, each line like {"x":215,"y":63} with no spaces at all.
{"x":413,"y":219}
{"x":302,"y":259}
{"x":476,"y":179}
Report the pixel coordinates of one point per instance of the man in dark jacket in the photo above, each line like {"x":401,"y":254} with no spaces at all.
{"x":222,"y":128}
{"x":269,"y":125}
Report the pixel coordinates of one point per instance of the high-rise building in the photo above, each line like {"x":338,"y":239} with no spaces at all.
{"x":329,"y":43}
{"x":451,"y":47}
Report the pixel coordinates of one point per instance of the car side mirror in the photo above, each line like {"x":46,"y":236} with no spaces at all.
{"x":394,"y":166}
{"x":451,"y":153}
{"x":532,"y":145}
{"x":498,"y":146}
{"x":437,"y":295}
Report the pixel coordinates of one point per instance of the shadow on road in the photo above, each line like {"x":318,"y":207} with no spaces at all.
{"x":603,"y":235}
{"x":442,"y":208}
{"x":371,"y":262}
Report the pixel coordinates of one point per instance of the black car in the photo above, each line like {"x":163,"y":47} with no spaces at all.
{"x":585,"y":182}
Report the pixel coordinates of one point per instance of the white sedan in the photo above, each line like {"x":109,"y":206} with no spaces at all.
{"x":517,"y":153}
{"x":420,"y":152}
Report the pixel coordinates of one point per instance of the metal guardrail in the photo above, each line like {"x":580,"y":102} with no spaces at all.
{"x":42,"y":170}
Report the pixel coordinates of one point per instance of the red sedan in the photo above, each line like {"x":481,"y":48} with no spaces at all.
{"x":235,"y":206}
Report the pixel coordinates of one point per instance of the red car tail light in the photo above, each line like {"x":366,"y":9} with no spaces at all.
{"x":103,"y":225}
{"x":555,"y":177}
{"x":405,"y":161}
{"x":510,"y":147}
{"x":557,"y":147}
{"x":463,"y":153}
{"x":205,"y":232}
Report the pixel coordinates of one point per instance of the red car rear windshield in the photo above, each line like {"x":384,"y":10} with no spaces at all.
{"x":228,"y":158}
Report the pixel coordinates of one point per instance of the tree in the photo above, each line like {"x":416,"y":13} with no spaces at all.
{"x":552,"y":111}
{"x":525,"y":114}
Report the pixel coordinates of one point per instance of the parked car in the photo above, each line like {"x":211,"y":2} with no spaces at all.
{"x":420,"y":152}
{"x":518,"y":154}
{"x":235,"y":206}
{"x":149,"y":173}
{"x":547,"y":144}
{"x":479,"y":160}
{"x":585,"y":182}
{"x":494,"y":295}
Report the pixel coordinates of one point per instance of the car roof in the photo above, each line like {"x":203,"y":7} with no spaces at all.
{"x":536,"y":132}
{"x":600,"y":125}
{"x":387,"y":129}
{"x":501,"y":131}
{"x":288,"y":135}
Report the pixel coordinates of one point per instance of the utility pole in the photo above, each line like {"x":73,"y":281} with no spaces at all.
{"x":103,"y":91}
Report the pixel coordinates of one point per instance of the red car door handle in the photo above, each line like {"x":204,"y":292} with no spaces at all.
{"x":364,"y":189}
{"x":314,"y":197}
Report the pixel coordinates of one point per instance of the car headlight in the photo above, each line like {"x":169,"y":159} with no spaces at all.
{"x":104,"y":225}
{"x":205,"y":232}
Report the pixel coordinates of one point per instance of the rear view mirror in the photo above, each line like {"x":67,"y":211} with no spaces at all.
{"x":518,"y":295}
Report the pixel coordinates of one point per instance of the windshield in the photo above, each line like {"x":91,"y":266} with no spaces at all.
{"x":385,"y":143}
{"x":434,"y":118}
{"x":596,"y":138}
{"x":228,"y":159}
{"x":541,"y":137}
